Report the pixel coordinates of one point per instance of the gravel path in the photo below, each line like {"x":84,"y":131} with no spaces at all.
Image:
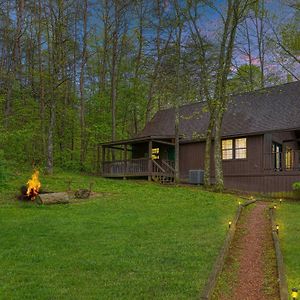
{"x":250,"y":268}
{"x":251,"y":261}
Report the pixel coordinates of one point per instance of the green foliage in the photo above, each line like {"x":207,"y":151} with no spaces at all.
{"x":296,"y":186}
{"x":246,"y":79}
{"x":3,"y":171}
{"x":288,"y":215}
{"x":134,"y":240}
{"x":291,"y":37}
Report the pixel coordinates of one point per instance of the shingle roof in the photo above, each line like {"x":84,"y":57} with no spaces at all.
{"x":269,"y":109}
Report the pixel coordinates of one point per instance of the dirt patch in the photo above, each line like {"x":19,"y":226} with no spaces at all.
{"x":250,"y":268}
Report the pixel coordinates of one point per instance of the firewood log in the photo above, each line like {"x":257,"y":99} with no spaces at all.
{"x":82,"y":194}
{"x":52,"y":198}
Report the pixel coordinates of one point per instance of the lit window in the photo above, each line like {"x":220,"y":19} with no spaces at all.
{"x":227,"y":149}
{"x":234,"y":148}
{"x":240,"y":148}
{"x":289,"y":158}
{"x":155,"y":153}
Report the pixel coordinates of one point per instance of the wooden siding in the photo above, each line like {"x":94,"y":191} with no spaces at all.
{"x":262,"y":183}
{"x":254,"y":173}
{"x":192,"y":157}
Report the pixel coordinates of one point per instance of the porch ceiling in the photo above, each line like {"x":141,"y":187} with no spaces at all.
{"x":138,"y":140}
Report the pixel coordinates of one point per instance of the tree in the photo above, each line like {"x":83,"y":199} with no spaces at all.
{"x":84,"y":57}
{"x":246,"y":79}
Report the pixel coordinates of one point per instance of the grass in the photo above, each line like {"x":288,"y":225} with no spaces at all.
{"x":287,"y":217}
{"x":136,"y":241}
{"x":229,"y":276}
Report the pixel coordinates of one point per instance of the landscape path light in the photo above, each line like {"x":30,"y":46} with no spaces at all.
{"x":277,"y":228}
{"x":229,"y":224}
{"x":294,"y":293}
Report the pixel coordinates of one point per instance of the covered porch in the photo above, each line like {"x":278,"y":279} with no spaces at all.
{"x":282,"y":151}
{"x":151,"y":156}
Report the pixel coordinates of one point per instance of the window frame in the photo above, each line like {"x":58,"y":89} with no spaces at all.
{"x":227,"y":149}
{"x":289,"y":158}
{"x":277,"y":153}
{"x":241,"y":148}
{"x":234,"y":149}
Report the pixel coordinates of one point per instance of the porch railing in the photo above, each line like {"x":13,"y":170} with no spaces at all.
{"x":138,"y":167}
{"x":123,"y":167}
{"x":282,"y":161}
{"x":163,"y":167}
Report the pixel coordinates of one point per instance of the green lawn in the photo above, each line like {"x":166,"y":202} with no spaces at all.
{"x":288,"y":218}
{"x":138,"y":241}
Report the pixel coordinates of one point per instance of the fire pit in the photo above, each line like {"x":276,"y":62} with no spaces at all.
{"x":32,"y":193}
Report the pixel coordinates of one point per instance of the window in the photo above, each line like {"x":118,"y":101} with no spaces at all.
{"x":277,"y":156}
{"x":240,"y":148}
{"x":289,"y":158}
{"x":227,"y":149}
{"x":234,"y":148}
{"x":155,"y":153}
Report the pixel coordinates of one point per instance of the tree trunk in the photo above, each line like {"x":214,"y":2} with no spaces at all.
{"x":219,"y":186}
{"x":81,"y":89}
{"x":207,"y":155}
{"x":115,"y":42}
{"x":41,"y":81}
{"x":50,"y":142}
{"x":177,"y":146}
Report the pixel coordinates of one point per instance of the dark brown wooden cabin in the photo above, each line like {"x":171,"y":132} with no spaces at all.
{"x":260,"y":142}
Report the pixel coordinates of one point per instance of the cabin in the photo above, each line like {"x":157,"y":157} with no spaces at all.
{"x":260,"y":143}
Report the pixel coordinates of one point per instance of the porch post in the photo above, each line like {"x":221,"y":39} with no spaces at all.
{"x":150,"y":160}
{"x":125,"y":161}
{"x":177,"y":161}
{"x":103,"y":158}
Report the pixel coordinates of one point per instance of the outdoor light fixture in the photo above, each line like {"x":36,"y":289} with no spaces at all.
{"x":280,"y":200}
{"x":229,"y":224}
{"x":275,"y":206}
{"x":240,"y":202}
{"x":294,"y":293}
{"x":277,"y":228}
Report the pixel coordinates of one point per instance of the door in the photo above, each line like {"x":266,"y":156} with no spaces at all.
{"x":171,"y":153}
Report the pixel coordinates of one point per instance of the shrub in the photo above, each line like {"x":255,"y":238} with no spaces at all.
{"x":296,"y":186}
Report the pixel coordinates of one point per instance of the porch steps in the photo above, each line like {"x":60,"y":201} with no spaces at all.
{"x":163,"y":179}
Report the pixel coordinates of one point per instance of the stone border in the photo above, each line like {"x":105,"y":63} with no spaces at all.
{"x":283,"y":288}
{"x":220,"y":260}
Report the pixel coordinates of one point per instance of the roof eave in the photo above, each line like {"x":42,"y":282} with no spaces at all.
{"x":137,"y":140}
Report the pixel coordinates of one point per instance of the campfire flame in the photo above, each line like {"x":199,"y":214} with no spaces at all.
{"x":33,"y":185}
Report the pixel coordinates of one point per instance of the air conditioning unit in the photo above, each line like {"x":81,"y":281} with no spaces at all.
{"x":196,"y":176}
